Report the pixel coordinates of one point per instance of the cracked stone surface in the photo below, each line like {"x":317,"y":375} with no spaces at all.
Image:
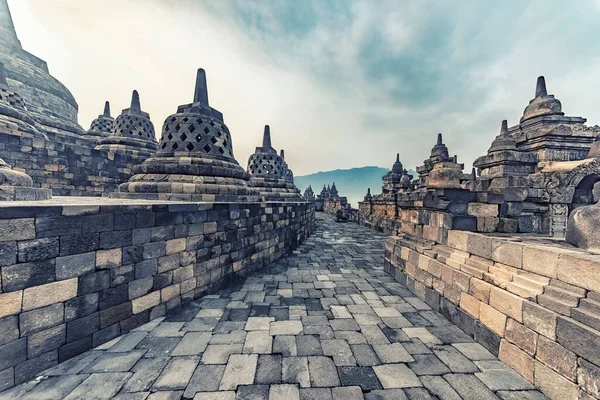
{"x":325,"y":322}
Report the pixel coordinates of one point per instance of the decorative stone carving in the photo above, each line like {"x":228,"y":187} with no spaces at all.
{"x":18,"y":186}
{"x":194,"y":160}
{"x":268,"y":172}
{"x":132,"y":131}
{"x":13,"y":112}
{"x":582,"y":226}
{"x":103,"y":125}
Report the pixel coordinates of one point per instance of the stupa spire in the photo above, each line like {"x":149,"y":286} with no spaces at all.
{"x":504,"y":127}
{"x":397,"y":157}
{"x":540,"y":88}
{"x":135,"y":101}
{"x":267,"y":137}
{"x":8,"y":34}
{"x":201,"y":89}
{"x":282,"y":154}
{"x":439,"y":139}
{"x":106,"y":112}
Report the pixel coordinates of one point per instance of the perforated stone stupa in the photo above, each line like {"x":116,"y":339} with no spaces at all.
{"x":132,"y":131}
{"x":268,"y":172}
{"x":194,"y":160}
{"x":102,"y":126}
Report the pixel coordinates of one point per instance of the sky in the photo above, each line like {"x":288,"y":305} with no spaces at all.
{"x":342,"y":83}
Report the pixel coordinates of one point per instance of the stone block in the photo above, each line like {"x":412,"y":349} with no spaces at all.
{"x":93,"y":282}
{"x":458,"y":239}
{"x":540,"y":319}
{"x":175,"y":246}
{"x":145,"y":302}
{"x":541,"y":260}
{"x":480,"y":245}
{"x":45,"y":341}
{"x":10,"y":303}
{"x":9,"y":329}
{"x":82,"y":327}
{"x":115,"y":314}
{"x":517,"y":359}
{"x":508,"y":253}
{"x":72,"y":349}
{"x":579,"y":270}
{"x":8,"y":253}
{"x":482,"y":210}
{"x":553,"y":385}
{"x":521,"y":336}
{"x":21,"y":276}
{"x":58,"y":225}
{"x":140,"y":287}
{"x":115,"y":239}
{"x":470,"y":304}
{"x":507,"y":303}
{"x":106,"y":259}
{"x":75,"y":265}
{"x":146,"y":268}
{"x":38,"y":249}
{"x":169,"y":292}
{"x":588,"y":376}
{"x":29,"y":369}
{"x":557,"y":357}
{"x":492,"y":318}
{"x":113,"y":296}
{"x":480,"y":290}
{"x":40,"y":319}
{"x":106,"y":334}
{"x":13,"y":353}
{"x":78,"y":244}
{"x":580,"y":339}
{"x":50,"y":293}
{"x":154,"y":250}
{"x":17,"y":229}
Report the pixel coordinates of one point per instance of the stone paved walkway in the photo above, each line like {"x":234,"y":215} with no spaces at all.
{"x":324,"y":323}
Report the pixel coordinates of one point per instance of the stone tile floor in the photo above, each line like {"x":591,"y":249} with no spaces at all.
{"x":323,"y":323}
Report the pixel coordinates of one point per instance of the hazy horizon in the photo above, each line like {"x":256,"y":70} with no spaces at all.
{"x":341,"y":83}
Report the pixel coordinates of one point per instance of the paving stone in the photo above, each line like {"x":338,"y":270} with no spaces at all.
{"x":361,"y":376}
{"x":393,"y":376}
{"x":227,"y":395}
{"x":504,"y":380}
{"x":316,"y":394}
{"x":176,"y":374}
{"x":474,"y":351}
{"x":469,"y":387}
{"x":145,"y":373}
{"x":322,"y":372}
{"x":268,"y":370}
{"x":339,"y":350}
{"x":454,"y":359}
{"x":128,"y":342}
{"x":374,"y":335}
{"x":57,"y":387}
{"x":252,"y":392}
{"x":206,"y":378}
{"x":308,"y":345}
{"x":240,"y":370}
{"x":193,"y":343}
{"x":344,"y":325}
{"x":347,"y":393}
{"x":219,"y":353}
{"x":285,"y":345}
{"x":428,"y":364}
{"x":392,"y":353}
{"x":285,"y":328}
{"x":99,"y":386}
{"x":114,"y":362}
{"x":284,"y":392}
{"x":295,"y":370}
{"x":386,"y":394}
{"x":158,"y":346}
{"x":439,"y":387}
{"x":418,"y":394}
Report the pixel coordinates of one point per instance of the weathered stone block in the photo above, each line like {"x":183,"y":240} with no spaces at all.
{"x":509,"y":253}
{"x":580,"y":339}
{"x":540,"y":319}
{"x":557,"y":357}
{"x":29,"y":369}
{"x":112,"y":296}
{"x":541,"y":260}
{"x":507,"y":303}
{"x":38,"y":249}
{"x":115,"y":239}
{"x":82,"y":327}
{"x":146,"y":268}
{"x":9,"y":329}
{"x":145,"y":302}
{"x":106,"y":259}
{"x":580,"y":270}
{"x":40,"y":319}
{"x":45,"y":341}
{"x":72,"y":349}
{"x":140,"y":287}
{"x":105,"y":335}
{"x":94,"y":282}
{"x":492,"y":318}
{"x":75,"y":265}
{"x":10,"y":303}
{"x":8,"y":253}
{"x":115,"y":314}
{"x":13,"y":353}
{"x":50,"y":293}
{"x":470,"y":304}
{"x":21,"y":276}
{"x":78,"y":244}
{"x":588,"y":376}
{"x":554,"y":385}
{"x":17,"y":229}
{"x":524,"y":338}
{"x":517,"y":359}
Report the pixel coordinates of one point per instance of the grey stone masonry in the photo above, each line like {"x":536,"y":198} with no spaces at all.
{"x":326,"y":322}
{"x":76,"y":273}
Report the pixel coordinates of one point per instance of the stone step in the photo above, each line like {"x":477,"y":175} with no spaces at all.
{"x":555,"y":304}
{"x":473,"y":271}
{"x":529,"y":282}
{"x":594,"y":296}
{"x":503,"y":274}
{"x":586,"y":317}
{"x":524,"y":291}
{"x":590,"y":305}
{"x":495,"y":280}
{"x":564,"y":295}
{"x":574,"y":290}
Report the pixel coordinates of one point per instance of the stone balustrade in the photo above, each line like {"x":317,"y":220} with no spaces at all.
{"x":79,"y":272}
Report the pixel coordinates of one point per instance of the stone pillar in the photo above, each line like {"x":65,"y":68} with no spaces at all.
{"x":194,"y":160}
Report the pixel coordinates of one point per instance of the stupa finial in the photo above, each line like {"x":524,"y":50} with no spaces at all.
{"x":439,"y":138}
{"x":282,"y":154}
{"x":540,"y":88}
{"x":504,"y":127}
{"x":267,"y":137}
{"x":368,"y":190}
{"x":135,"y":101}
{"x":106,"y":112}
{"x":201,"y":89}
{"x":397,"y":157}
{"x":473,"y":173}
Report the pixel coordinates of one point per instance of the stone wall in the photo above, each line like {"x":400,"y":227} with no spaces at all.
{"x":75,"y":276}
{"x":67,"y":164}
{"x":530,"y":300}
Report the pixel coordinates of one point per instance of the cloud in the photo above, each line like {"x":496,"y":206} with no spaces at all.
{"x":342,"y":83}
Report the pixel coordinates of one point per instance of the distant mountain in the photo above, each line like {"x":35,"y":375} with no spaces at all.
{"x":352,"y":183}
